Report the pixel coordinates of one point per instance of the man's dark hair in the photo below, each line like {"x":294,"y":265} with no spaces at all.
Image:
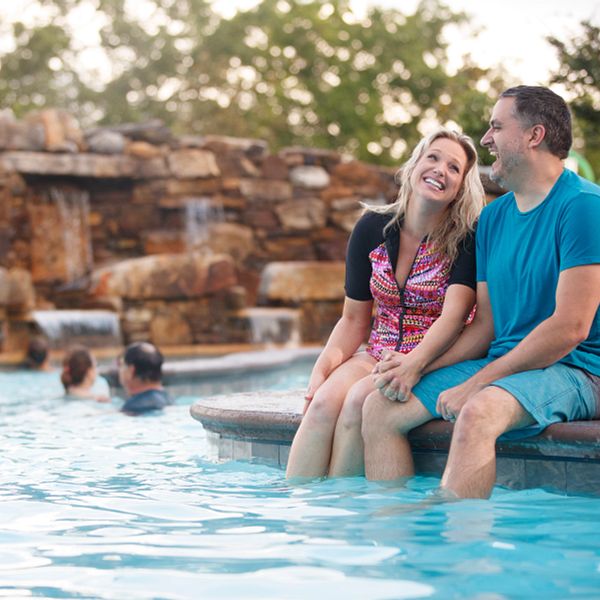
{"x":536,"y":104}
{"x":146,"y":359}
{"x":37,"y":352}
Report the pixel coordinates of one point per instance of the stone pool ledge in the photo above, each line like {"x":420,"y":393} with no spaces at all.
{"x":261,"y":425}
{"x":177,"y":369}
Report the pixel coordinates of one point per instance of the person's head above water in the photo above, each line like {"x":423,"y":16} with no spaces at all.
{"x":79,"y":368}
{"x":37,"y":356}
{"x":140,"y":367}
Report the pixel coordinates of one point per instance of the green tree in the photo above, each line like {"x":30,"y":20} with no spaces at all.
{"x":38,"y":72}
{"x":309,"y":72}
{"x":579,"y":73}
{"x":305,"y":72}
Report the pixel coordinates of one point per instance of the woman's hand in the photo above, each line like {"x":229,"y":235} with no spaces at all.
{"x":395,"y":376}
{"x":317,"y":377}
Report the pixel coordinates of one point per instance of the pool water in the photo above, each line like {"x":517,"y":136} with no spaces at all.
{"x":95,"y":504}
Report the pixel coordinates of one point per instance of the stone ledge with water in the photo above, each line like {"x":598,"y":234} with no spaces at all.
{"x":93,"y":328}
{"x":261,"y":425}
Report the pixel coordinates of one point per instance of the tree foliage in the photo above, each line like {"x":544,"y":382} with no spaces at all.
{"x":37,"y":72}
{"x":579,"y":73}
{"x":306,"y":72}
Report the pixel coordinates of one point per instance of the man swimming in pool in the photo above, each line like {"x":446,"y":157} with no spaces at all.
{"x":140,"y":373}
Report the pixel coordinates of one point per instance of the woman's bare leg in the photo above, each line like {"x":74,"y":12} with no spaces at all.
{"x":347,"y":457}
{"x":311,"y":449}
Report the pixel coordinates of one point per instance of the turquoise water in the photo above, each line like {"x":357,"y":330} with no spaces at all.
{"x":95,"y":504}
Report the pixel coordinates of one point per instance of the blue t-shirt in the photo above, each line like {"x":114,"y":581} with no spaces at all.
{"x":520,"y":256}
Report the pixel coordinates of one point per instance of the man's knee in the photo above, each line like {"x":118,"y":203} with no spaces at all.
{"x":481,"y":417}
{"x":381,"y":415}
{"x":373,"y":413}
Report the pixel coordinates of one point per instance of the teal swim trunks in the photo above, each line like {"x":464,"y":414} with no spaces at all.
{"x":555,"y":394}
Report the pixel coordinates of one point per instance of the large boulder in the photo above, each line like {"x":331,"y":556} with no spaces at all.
{"x":295,"y":282}
{"x":165,"y":276}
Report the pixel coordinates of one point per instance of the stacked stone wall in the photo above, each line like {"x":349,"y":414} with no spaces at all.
{"x":75,"y":203}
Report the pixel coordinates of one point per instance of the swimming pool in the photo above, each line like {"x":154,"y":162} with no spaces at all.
{"x":96,"y":504}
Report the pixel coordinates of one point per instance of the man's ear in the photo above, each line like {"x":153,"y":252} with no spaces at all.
{"x":537,"y":135}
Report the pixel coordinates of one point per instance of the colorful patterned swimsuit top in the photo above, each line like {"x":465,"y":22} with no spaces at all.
{"x":403,"y":315}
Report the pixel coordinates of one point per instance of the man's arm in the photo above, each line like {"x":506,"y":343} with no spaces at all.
{"x":577,"y":300}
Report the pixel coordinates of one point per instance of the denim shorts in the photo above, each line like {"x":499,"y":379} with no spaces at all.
{"x":552,"y":395}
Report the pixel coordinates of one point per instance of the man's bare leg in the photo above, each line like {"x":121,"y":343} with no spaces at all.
{"x":347,"y":457}
{"x":471,"y":468}
{"x":385,"y":426}
{"x":311,"y":449}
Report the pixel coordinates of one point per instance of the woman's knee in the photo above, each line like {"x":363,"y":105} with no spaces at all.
{"x":323,"y":410}
{"x":351,"y":414}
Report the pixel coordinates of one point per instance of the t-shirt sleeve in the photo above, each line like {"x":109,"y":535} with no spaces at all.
{"x":366,"y":235}
{"x":464,"y":268}
{"x":483,"y":227}
{"x":578,"y":233}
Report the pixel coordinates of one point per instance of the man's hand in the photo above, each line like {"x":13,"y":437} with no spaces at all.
{"x":451,"y":401}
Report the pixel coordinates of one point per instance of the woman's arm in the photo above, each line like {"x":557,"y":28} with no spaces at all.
{"x":475,"y":339}
{"x":346,"y":337}
{"x":397,"y":373}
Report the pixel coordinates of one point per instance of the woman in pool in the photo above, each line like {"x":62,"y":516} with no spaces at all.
{"x":79,"y":376}
{"x":415,"y":259}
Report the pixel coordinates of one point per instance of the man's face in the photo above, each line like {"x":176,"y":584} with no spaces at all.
{"x":506,"y":140}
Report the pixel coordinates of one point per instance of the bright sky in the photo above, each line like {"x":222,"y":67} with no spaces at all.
{"x":511,"y":32}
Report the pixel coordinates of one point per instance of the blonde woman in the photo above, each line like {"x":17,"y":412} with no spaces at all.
{"x":415,"y":260}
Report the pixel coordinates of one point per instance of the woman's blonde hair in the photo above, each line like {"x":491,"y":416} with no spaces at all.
{"x":464,"y":210}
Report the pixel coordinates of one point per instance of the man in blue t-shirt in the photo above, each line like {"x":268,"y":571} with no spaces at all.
{"x":140,"y":373}
{"x":531,"y":357}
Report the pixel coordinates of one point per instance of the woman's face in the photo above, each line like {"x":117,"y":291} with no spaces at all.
{"x":439,"y":173}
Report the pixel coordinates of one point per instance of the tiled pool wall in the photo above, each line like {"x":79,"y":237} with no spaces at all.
{"x":515,"y":472}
